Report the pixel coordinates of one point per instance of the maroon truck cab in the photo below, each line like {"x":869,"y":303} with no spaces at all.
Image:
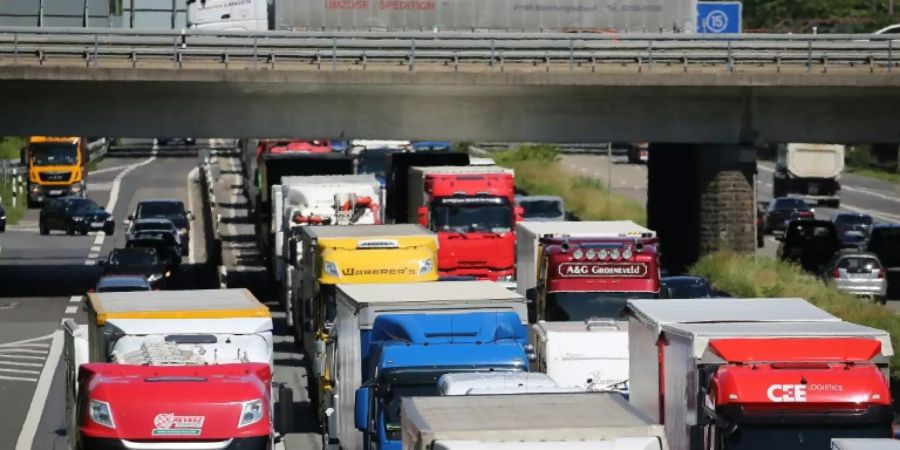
{"x":474,"y":215}
{"x":580,"y":278}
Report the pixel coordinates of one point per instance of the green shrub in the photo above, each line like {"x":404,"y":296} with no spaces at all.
{"x":749,"y":276}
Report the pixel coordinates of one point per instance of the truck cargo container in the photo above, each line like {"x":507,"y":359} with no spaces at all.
{"x":757,"y":373}
{"x":181,"y":369}
{"x":811,"y":171}
{"x":454,"y":15}
{"x":494,"y":383}
{"x":589,"y":355}
{"x":473,"y":211}
{"x":358,"y":307}
{"x":583,"y":421}
{"x":408,"y":353}
{"x":397,"y":178}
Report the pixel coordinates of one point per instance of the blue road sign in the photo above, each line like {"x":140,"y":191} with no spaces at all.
{"x":718,"y":17}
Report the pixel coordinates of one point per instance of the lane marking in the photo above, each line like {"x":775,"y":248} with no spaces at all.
{"x":75,"y":299}
{"x":27,"y":351}
{"x":90,"y":262}
{"x":25,"y":341}
{"x":108,"y":169}
{"x":14,"y":356}
{"x":98,"y":240}
{"x":192,"y":247}
{"x":41,"y":392}
{"x":6,"y":378}
{"x":71,"y":310}
{"x":23,"y":371}
{"x":34,"y":345}
{"x":20,"y":364}
{"x":96,"y":248}
{"x":93,"y":255}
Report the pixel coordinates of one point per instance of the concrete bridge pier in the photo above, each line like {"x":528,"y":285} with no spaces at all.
{"x":700,"y":199}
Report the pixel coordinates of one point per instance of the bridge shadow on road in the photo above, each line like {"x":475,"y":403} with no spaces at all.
{"x":47,"y":280}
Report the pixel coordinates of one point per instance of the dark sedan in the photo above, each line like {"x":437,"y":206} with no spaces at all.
{"x":137,"y":261}
{"x":165,"y":245}
{"x":75,"y":215}
{"x":783,"y":209}
{"x":167,"y":209}
{"x":853,"y":229}
{"x":122,"y":283}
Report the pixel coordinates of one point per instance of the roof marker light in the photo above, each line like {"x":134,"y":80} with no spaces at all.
{"x":590,"y":254}
{"x":626,"y":254}
{"x":614,"y":253}
{"x":578,"y":254}
{"x":604,"y":253}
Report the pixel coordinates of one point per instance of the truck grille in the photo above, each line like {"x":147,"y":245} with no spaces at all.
{"x":55,"y":176}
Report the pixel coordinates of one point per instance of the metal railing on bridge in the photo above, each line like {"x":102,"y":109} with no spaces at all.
{"x":453,"y":51}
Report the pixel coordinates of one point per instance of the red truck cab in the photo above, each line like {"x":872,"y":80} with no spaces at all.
{"x":472,"y":209}
{"x":222,"y":406}
{"x":581,"y":278}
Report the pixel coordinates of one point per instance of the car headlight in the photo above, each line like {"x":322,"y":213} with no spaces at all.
{"x":331,"y":268}
{"x":78,"y":218}
{"x":154,"y":277}
{"x":182,"y":231}
{"x":2,"y":217}
{"x":251,"y":412}
{"x":101,"y":414}
{"x":425,"y":266}
{"x":109,"y":218}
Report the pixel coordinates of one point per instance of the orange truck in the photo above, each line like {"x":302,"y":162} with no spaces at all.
{"x":56,"y":167}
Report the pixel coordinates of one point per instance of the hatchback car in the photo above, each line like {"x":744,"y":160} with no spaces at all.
{"x":167,"y":209}
{"x":122,"y":283}
{"x":860,"y":274}
{"x":782,"y":209}
{"x":74,"y":215}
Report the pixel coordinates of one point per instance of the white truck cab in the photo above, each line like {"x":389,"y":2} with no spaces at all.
{"x":485,"y":383}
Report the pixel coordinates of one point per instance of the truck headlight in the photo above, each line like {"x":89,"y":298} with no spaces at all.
{"x":35,"y":188}
{"x":101,"y":414}
{"x":251,"y":412}
{"x":331,"y":269}
{"x":425,"y":266}
{"x":76,"y":188}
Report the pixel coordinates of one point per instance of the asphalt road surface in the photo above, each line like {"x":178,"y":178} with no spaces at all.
{"x":878,"y":198}
{"x":43,"y":279}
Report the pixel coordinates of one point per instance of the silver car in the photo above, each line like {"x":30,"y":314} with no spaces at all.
{"x":859,"y":273}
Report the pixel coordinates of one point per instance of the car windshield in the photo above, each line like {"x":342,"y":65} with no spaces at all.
{"x":859,"y":264}
{"x":578,"y":306}
{"x":802,"y":231}
{"x":143,"y":226}
{"x":796,"y":437}
{"x":156,"y":210}
{"x":123,"y":288}
{"x":541,"y":208}
{"x":852,"y":219}
{"x":133,"y":259}
{"x":374,"y":162}
{"x":691,"y":288}
{"x":469,"y":214}
{"x":83,"y":205}
{"x":54,"y":154}
{"x":784,"y":204}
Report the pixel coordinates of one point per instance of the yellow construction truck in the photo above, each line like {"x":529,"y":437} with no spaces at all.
{"x":56,"y":167}
{"x":327,"y":255}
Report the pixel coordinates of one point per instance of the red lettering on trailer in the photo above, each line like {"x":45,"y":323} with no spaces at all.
{"x":347,"y":4}
{"x":407,"y":5}
{"x":603,"y":270}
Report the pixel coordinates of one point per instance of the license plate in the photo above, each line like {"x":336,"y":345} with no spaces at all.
{"x":55,"y":192}
{"x":97,"y":224}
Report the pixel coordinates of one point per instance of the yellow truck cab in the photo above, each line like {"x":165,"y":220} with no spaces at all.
{"x":403,"y":253}
{"x":56,"y":167}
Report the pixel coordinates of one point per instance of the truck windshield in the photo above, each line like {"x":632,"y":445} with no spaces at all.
{"x":54,"y":154}
{"x":471,"y":214}
{"x":798,"y":438}
{"x":578,"y":306}
{"x":374,"y":162}
{"x":541,"y":208}
{"x":396,"y":384}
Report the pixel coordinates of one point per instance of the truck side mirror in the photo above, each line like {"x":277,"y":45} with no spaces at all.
{"x":519,"y":212}
{"x":423,"y":216}
{"x":285,"y":409}
{"x":361,"y":416}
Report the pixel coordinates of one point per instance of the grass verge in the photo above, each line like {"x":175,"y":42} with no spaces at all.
{"x":13,"y":214}
{"x":891,"y":177}
{"x":747,"y":276}
{"x":539,"y":173}
{"x":10,"y":146}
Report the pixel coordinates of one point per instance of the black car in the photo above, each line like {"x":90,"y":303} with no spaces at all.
{"x":122,"y":283}
{"x":2,"y":219}
{"x":781,"y":209}
{"x":137,"y":261}
{"x":884,"y":241}
{"x":75,"y":215}
{"x":810,"y":243}
{"x":165,"y":245}
{"x":854,"y":225}
{"x":167,"y":209}
{"x":685,"y":287}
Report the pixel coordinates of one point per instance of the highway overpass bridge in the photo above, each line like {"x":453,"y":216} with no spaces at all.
{"x":703,"y":97}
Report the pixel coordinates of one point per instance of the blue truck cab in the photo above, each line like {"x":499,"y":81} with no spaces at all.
{"x":408,"y":353}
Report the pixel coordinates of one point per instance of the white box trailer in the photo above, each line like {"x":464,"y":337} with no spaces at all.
{"x":865,"y":444}
{"x":493,"y":383}
{"x":528,"y":234}
{"x":674,"y":336}
{"x":575,"y":421}
{"x":416,"y":195}
{"x":358,"y":305}
{"x":589,"y":355}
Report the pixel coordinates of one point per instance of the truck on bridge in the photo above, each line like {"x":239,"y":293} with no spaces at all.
{"x":406,"y":335}
{"x":454,"y":15}
{"x":757,"y":373}
{"x":55,"y":166}
{"x":172,"y":369}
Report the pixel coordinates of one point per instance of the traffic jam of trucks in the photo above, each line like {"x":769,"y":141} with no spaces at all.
{"x":433,"y":317}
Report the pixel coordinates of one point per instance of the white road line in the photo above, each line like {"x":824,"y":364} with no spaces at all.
{"x":27,"y":351}
{"x":870,"y":192}
{"x":71,"y":310}
{"x":20,"y":364}
{"x":98,"y":240}
{"x":25,"y":341}
{"x":96,"y":248}
{"x":14,"y":356}
{"x":90,"y":262}
{"x":75,"y":299}
{"x":192,"y":247}
{"x":34,"y":345}
{"x":108,"y":169}
{"x":41,"y":392}
{"x":2,"y":377}
{"x":22,"y":371}
{"x":93,"y":255}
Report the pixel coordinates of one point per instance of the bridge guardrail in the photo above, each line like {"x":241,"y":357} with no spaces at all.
{"x":182,"y":49}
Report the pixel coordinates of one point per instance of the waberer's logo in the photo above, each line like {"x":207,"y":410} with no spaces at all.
{"x":392,"y":271}
{"x":602,"y":269}
{"x":168,"y":424}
